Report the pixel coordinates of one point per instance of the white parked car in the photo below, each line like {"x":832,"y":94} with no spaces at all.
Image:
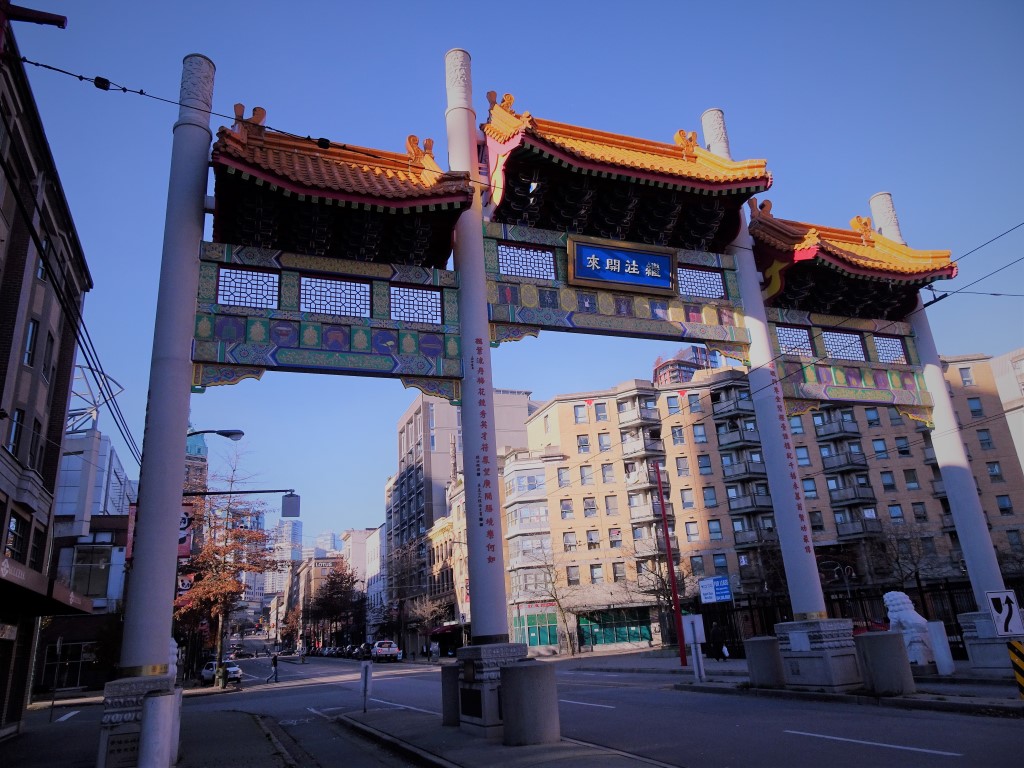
{"x":385,"y":650}
{"x":231,"y":670}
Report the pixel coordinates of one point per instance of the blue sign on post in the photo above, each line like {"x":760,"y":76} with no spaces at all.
{"x":715,"y":590}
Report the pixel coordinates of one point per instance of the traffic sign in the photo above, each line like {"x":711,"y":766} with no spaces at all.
{"x":1005,"y":610}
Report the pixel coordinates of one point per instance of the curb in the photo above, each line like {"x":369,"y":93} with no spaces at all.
{"x":403,"y":747}
{"x":276,"y":742}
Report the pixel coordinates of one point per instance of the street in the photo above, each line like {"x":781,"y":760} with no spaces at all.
{"x":639,"y":713}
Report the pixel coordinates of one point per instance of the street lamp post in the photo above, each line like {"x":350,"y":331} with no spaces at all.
{"x":230,"y":434}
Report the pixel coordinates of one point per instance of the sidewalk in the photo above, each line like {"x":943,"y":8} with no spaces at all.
{"x":231,"y":738}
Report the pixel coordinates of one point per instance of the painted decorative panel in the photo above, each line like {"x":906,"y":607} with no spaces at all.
{"x":260,"y":309}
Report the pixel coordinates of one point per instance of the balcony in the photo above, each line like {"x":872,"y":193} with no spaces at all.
{"x":856,"y":528}
{"x":938,"y":489}
{"x":947,"y":523}
{"x":529,"y":560}
{"x":756,"y":502}
{"x":756,"y":538}
{"x":733,"y":407}
{"x":749,"y":573}
{"x":837,"y":429}
{"x":929,"y":456}
{"x":519,"y":527}
{"x":736,"y":438}
{"x":638,"y":416}
{"x":653,"y":547}
{"x":650,"y":513}
{"x":646,"y":478}
{"x":647,"y":446}
{"x":845,"y":462}
{"x":857,"y":494}
{"x":744,"y":470}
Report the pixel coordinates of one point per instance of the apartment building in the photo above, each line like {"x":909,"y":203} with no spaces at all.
{"x":586,"y":544}
{"x":43,"y":281}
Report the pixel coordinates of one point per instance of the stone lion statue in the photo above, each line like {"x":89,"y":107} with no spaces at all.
{"x":903,"y":618}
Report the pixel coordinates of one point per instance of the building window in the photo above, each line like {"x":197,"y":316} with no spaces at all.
{"x":1005,"y":504}
{"x":16,"y":546}
{"x":710,"y":496}
{"x":919,"y":510}
{"x":582,"y":444}
{"x":604,"y":442}
{"x":590,"y":507}
{"x":31,"y":332}
{"x":810,"y":488}
{"x":910,"y":478}
{"x":796,"y":425}
{"x":888,"y":481}
{"x":817,"y":521}
{"x":639,"y":533}
{"x":841,"y":345}
{"x":895,"y":417}
{"x":607,"y":473}
{"x":803,"y":456}
{"x":565,"y":505}
{"x":15,"y":431}
{"x":47,"y":371}
{"x":693,"y":403}
{"x":36,"y":548}
{"x":682,"y":466}
{"x":601,"y":411}
{"x":995,"y":471}
{"x":974,"y":403}
{"x":826,"y":450}
{"x":672,"y":401}
{"x":966,"y":377}
{"x":721,"y":565}
{"x":615,"y":538}
{"x":596,"y":574}
{"x":586,"y":475}
{"x":692,"y":532}
{"x":563,"y":477}
{"x":902,"y":446}
{"x":569,"y":541}
{"x":35,"y":446}
{"x":715,"y":529}
{"x":985,"y":440}
{"x":618,"y":572}
{"x":700,"y":435}
{"x":890,"y":349}
{"x":871,"y":414}
{"x":697,"y":565}
{"x":896,"y":513}
{"x":678,"y":436}
{"x":579,"y":413}
{"x":878,"y":446}
{"x":794,"y":341}
{"x":686,"y":495}
{"x":1013,"y":538}
{"x":704,"y":464}
{"x":572,"y":575}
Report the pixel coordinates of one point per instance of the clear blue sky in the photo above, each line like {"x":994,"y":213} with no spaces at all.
{"x":843,"y":100}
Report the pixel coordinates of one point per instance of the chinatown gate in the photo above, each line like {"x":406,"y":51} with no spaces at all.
{"x":329,"y":258}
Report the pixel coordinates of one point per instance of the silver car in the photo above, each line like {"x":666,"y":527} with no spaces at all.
{"x":232,"y":672}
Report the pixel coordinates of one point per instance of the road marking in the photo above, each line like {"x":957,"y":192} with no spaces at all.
{"x":318,"y":713}
{"x":68,"y":716}
{"x":877,"y":744}
{"x":586,"y":704}
{"x":297,"y":721}
{"x":405,"y":706}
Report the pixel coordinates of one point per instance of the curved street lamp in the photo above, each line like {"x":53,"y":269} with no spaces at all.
{"x":230,"y":434}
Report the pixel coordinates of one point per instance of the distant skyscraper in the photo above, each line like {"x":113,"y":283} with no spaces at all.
{"x":287,"y":538}
{"x":327,"y":541}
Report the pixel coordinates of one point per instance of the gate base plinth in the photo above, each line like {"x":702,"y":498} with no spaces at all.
{"x":480,"y":686}
{"x":819,"y":655}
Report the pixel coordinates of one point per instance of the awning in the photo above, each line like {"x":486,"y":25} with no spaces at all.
{"x":446,"y":630}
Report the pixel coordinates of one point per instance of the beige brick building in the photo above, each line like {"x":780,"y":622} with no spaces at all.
{"x":585,"y":550}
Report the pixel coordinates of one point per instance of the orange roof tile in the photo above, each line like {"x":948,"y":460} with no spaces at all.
{"x":683,"y":159}
{"x":339,"y":170}
{"x":859,"y":250}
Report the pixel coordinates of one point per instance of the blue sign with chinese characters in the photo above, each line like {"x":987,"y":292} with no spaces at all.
{"x":607,"y":265}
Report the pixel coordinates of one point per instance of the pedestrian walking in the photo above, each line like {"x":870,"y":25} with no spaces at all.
{"x":717,"y":642}
{"x":273,"y":668}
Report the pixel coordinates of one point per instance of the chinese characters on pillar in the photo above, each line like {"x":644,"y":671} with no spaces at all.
{"x":485,"y":473}
{"x":791,"y":465}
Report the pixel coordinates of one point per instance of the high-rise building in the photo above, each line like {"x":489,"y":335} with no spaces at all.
{"x":585,"y":544}
{"x":287,"y":542}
